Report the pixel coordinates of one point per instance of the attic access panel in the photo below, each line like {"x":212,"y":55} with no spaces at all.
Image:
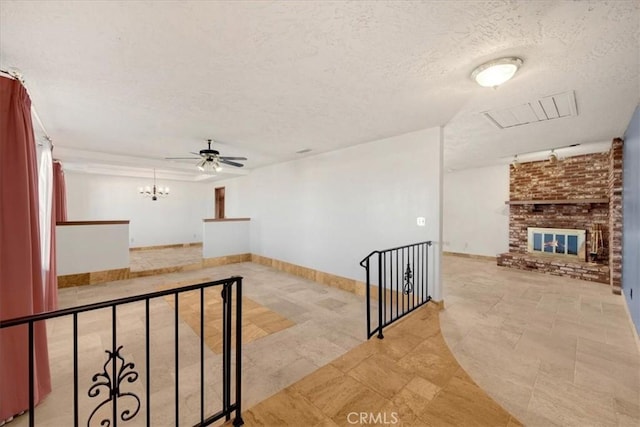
{"x":540,"y":110}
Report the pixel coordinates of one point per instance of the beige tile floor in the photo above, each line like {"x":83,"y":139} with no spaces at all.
{"x":258,"y":321}
{"x":551,"y":350}
{"x":327,"y":323}
{"x":410,"y":378}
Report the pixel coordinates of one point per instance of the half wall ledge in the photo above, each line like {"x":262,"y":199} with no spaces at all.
{"x":556,"y":202}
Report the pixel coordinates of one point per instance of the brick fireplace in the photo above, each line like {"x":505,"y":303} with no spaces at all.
{"x":573,"y":197}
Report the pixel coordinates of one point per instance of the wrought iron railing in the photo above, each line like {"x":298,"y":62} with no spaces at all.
{"x":399,"y":285}
{"x":117,"y":380}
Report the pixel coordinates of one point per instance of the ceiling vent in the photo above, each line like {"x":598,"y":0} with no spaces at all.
{"x":540,"y":110}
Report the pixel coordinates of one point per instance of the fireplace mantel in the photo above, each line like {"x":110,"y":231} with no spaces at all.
{"x":556,"y":202}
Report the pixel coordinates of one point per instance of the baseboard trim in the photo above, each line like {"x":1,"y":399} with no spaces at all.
{"x":93,"y":277}
{"x":472,"y":256}
{"x":350,"y":285}
{"x":636,"y":332}
{"x":225,"y":260}
{"x":175,"y":245}
{"x":166,"y":270}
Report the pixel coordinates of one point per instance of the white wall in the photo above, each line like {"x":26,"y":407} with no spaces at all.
{"x":327,"y":212}
{"x":476,"y":220}
{"x":86,"y":248}
{"x":222,"y":238}
{"x":175,"y":219}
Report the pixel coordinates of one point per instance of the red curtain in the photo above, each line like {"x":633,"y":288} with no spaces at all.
{"x":59,"y":214}
{"x":59,"y":193}
{"x":21,"y":287}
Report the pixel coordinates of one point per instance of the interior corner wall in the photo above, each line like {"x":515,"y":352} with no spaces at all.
{"x":171,"y":220}
{"x":327,"y":212}
{"x":476,"y":219}
{"x":631,"y":218}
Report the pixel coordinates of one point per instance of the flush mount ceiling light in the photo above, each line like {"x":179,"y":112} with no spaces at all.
{"x":496,"y":72}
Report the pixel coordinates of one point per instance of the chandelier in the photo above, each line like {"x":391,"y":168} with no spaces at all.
{"x":155,"y":191}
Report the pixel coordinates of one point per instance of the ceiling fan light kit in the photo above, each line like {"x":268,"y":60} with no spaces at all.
{"x":496,"y":72}
{"x":210,"y":165}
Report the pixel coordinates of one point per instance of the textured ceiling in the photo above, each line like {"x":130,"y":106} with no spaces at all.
{"x":129,"y":83}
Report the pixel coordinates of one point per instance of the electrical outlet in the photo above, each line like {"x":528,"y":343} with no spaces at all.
{"x":421,"y":221}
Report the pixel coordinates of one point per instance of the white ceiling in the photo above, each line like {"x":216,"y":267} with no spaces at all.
{"x":121,"y":84}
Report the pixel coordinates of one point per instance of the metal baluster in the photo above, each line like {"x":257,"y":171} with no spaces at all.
{"x":384,"y":288}
{"x":413,"y":289}
{"x":177,"y":357}
{"x":114,"y":375}
{"x":75,"y":370}
{"x":403,"y":250}
{"x":225,"y":403}
{"x":398,"y":274}
{"x":380,"y":336}
{"x":238,"y":420}
{"x":368,"y":291}
{"x":201,"y":355}
{"x":389,"y":289}
{"x":147,"y":361}
{"x":227,"y":333}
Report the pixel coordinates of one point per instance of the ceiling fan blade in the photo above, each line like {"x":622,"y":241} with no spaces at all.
{"x":197,"y":154}
{"x":232,"y":158}
{"x":230,"y":163}
{"x":182,"y":158}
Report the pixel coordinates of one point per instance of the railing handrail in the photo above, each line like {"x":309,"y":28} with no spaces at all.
{"x":381,"y":251}
{"x":111,"y":377}
{"x":408,"y":282}
{"x":114,"y":302}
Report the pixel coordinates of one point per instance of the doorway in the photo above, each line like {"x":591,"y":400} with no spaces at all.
{"x":219,"y":200}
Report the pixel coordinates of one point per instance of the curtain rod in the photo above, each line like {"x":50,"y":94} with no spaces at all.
{"x":17,"y":75}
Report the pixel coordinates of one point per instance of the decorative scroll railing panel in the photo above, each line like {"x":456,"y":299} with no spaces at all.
{"x":173,"y":357}
{"x":397,"y":282}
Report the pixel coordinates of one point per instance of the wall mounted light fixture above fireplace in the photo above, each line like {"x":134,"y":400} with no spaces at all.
{"x":546,"y":154}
